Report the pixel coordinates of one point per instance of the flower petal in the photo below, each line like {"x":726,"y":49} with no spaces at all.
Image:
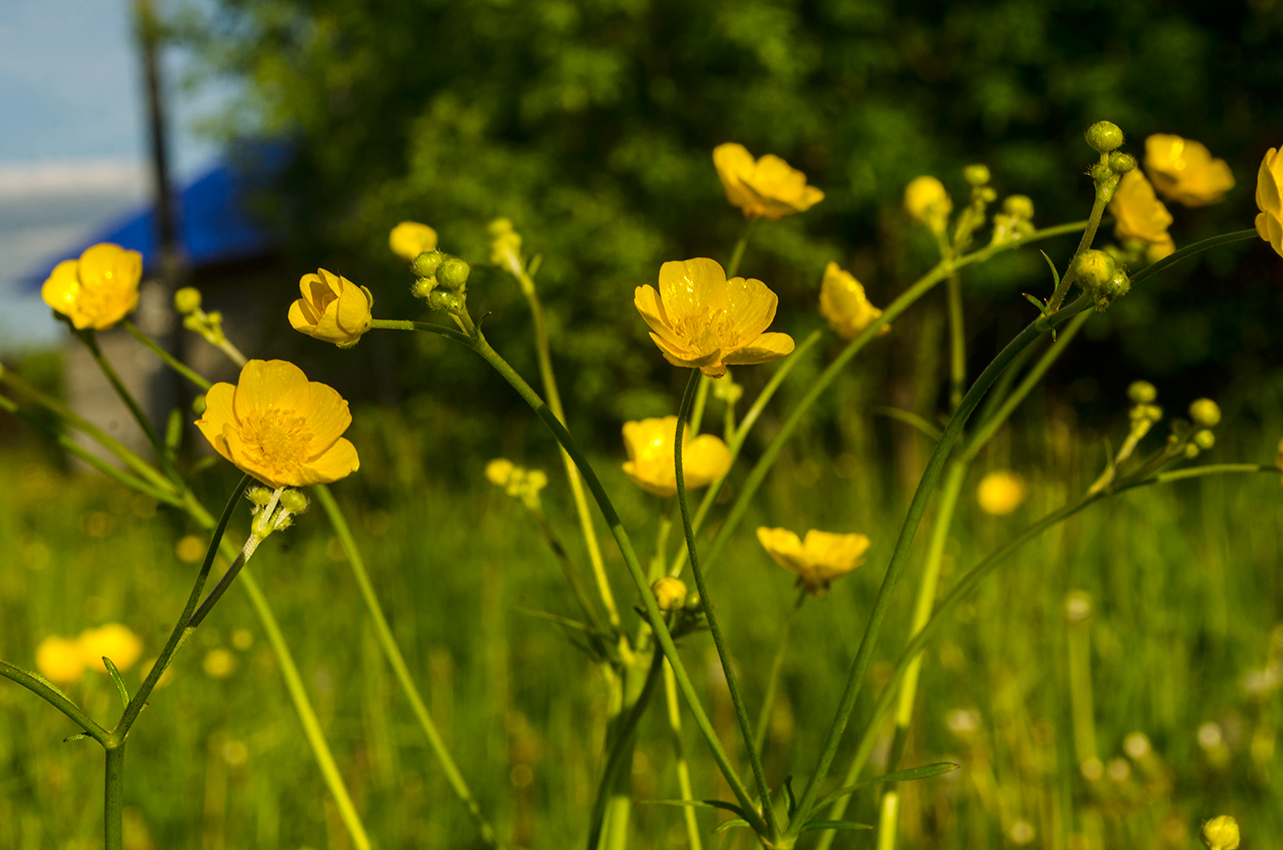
{"x":339,"y":462}
{"x":270,"y":384}
{"x":704,"y":460}
{"x":353,"y":313}
{"x":646,"y":300}
{"x":327,"y":417}
{"x":219,"y":414}
{"x":751,"y":308}
{"x":107,"y":265}
{"x":693,"y":287}
{"x":303,"y":317}
{"x":764,"y":349}
{"x":62,"y":287}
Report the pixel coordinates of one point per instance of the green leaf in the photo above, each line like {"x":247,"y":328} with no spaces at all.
{"x":699,"y":804}
{"x":733,"y":823}
{"x":1054,"y":274}
{"x":789,"y":796}
{"x":835,"y":824}
{"x":924,"y":772}
{"x":115,"y":677}
{"x":79,"y":736}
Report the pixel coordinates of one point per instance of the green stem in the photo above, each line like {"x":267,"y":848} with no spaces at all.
{"x":1191,"y":250}
{"x":1104,"y":191}
{"x":957,"y":343}
{"x":399,"y":668}
{"x":900,"y":555}
{"x":737,"y":255}
{"x":679,"y":751}
{"x":728,"y":667}
{"x":113,"y":798}
{"x":50,"y":693}
{"x":170,"y":360}
{"x":773,"y":681}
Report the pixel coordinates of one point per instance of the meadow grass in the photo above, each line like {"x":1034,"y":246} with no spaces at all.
{"x":1183,"y":644}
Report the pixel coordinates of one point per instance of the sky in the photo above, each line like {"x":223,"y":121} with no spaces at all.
{"x":74,"y":154}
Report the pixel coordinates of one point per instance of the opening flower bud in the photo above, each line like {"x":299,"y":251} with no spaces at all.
{"x":187,"y":300}
{"x":1093,"y":269}
{"x":453,"y":274}
{"x":1104,"y":136}
{"x":976,"y":175}
{"x":1205,"y":412}
{"x":1121,"y":163}
{"x":1221,"y":833}
{"x":670,"y":593}
{"x":1142,"y":392}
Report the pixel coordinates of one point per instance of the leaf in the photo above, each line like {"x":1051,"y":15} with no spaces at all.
{"x":115,"y":677}
{"x":908,"y":418}
{"x":699,"y":804}
{"x":79,"y":736}
{"x":733,"y":823}
{"x":788,"y":795}
{"x":1054,"y":274}
{"x":835,"y":824}
{"x":924,"y":772}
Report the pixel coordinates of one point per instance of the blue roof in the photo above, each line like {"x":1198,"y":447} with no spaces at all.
{"x":213,"y":225}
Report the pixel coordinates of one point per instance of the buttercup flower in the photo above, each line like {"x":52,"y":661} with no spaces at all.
{"x":1140,"y":215}
{"x":1000,"y":492}
{"x":113,"y":640}
{"x":332,"y":309}
{"x":279,"y":427}
{"x":927,"y":202}
{"x":1269,"y":199}
{"x":58,"y":659}
{"x":1220,"y":833}
{"x":1184,"y":170}
{"x":409,"y":239}
{"x":649,"y":444}
{"x":99,"y":289}
{"x":844,"y":304}
{"x":764,"y":187}
{"x":817,"y":560}
{"x":701,"y":320}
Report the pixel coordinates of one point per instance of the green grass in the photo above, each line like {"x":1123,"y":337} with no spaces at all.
{"x":1186,"y":603}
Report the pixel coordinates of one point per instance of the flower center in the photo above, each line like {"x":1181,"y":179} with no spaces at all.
{"x":276,"y":439}
{"x":707,"y":330}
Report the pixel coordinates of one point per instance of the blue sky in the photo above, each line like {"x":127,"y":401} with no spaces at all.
{"x":74,"y":152}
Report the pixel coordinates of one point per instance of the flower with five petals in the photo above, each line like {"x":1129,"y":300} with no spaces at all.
{"x":767,"y":187}
{"x":1185,"y":171}
{"x":817,"y":560}
{"x":99,"y":289}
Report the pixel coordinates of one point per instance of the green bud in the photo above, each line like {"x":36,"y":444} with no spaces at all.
{"x":293,"y":501}
{"x":198,"y":405}
{"x":1093,"y":269}
{"x":987,"y":194}
{"x":976,"y":175}
{"x":260,"y":496}
{"x":1121,"y":163}
{"x":1018,"y":206}
{"x":1191,"y":451}
{"x":1101,"y":174}
{"x":1142,"y":392}
{"x":1205,"y":412}
{"x":1104,"y":136}
{"x":1221,"y":833}
{"x":670,"y":593}
{"x":1154,"y":412}
{"x":187,"y":300}
{"x":427,"y":263}
{"x":1204,"y":439}
{"x":500,"y":227}
{"x":214,"y":317}
{"x":423,"y":287}
{"x":453,"y":274}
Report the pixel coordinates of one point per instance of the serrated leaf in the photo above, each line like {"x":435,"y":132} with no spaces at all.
{"x":926,"y":771}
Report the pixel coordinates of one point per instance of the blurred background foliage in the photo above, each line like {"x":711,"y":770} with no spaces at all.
{"x":591,"y":125}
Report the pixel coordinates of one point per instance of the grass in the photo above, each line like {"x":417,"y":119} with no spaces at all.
{"x":1185,"y":600}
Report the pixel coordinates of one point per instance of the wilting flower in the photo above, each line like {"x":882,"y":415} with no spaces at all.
{"x":332,"y":309}
{"x":817,"y":560}
{"x":927,"y":202}
{"x":764,"y":187}
{"x":1000,"y":492}
{"x":409,"y":239}
{"x":1184,"y":170}
{"x":113,"y":640}
{"x":99,"y":289}
{"x":701,"y":320}
{"x":650,"y":463}
{"x":1269,"y":199}
{"x":844,"y":304}
{"x":1140,"y":215}
{"x":58,"y":659}
{"x":279,"y":427}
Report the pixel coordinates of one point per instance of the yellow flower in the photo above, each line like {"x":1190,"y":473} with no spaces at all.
{"x":409,"y":239}
{"x":332,"y":309}
{"x":701,"y":320}
{"x":1184,"y":170}
{"x":113,"y":640}
{"x":1000,"y":492}
{"x":817,"y":560}
{"x":1221,"y":833}
{"x":1140,"y":215}
{"x":279,"y":427}
{"x":99,"y":289}
{"x":670,"y":594}
{"x":844,"y":304}
{"x":219,"y":663}
{"x":764,"y":187}
{"x":927,"y":202}
{"x":649,"y":444}
{"x":58,"y":659}
{"x":1269,"y":199}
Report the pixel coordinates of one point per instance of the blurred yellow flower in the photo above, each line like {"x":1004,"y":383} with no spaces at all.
{"x":332,"y":309}
{"x":701,"y":320}
{"x":765,"y":187}
{"x":279,"y":427}
{"x":1221,"y":833}
{"x":99,"y":289}
{"x":1184,"y":170}
{"x":927,"y":202}
{"x":1140,"y":215}
{"x":409,"y":239}
{"x":219,"y":663}
{"x":190,"y":549}
{"x":58,"y":659}
{"x":649,"y":444}
{"x":817,"y":560}
{"x":844,"y":304}
{"x":670,"y":593}
{"x":1000,"y":492}
{"x":113,"y":640}
{"x":1269,"y":199}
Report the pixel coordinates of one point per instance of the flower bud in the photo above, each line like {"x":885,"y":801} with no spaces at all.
{"x":423,"y":287}
{"x":1204,"y":439}
{"x":1093,"y":269}
{"x":1104,"y":136}
{"x":976,"y":175}
{"x":409,"y":239}
{"x":1077,"y":606}
{"x":1111,"y":290}
{"x":187,"y":300}
{"x":670,"y":594}
{"x":1153,"y":412}
{"x":1121,"y":163}
{"x":259,"y":495}
{"x":293,"y":501}
{"x":1142,"y":392}
{"x":1221,"y":833}
{"x":453,"y":274}
{"x":1191,"y":451}
{"x":499,"y":471}
{"x":427,"y":263}
{"x":1205,"y":412}
{"x":1018,"y":206}
{"x":927,"y":202}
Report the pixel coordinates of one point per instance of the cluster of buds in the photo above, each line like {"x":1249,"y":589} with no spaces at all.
{"x":927,"y":202}
{"x":1196,"y":435}
{"x":517,"y":481}
{"x":187,"y":302}
{"x":971,"y":218}
{"x":273,"y":510}
{"x":1105,"y":138}
{"x":680,"y":606}
{"x":1015,"y":221}
{"x":441,"y":280}
{"x":1103,"y":278}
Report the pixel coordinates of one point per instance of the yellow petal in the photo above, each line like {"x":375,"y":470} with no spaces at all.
{"x":219,"y":413}
{"x":302,"y":317}
{"x":409,"y":239}
{"x":1267,"y":186}
{"x":110,"y":265}
{"x":783,"y":546}
{"x":692,"y":288}
{"x":646,"y":300}
{"x":353,"y":312}
{"x":62,"y":287}
{"x":328,"y":417}
{"x":764,"y":349}
{"x":704,"y":460}
{"x":339,"y":462}
{"x":268,"y":385}
{"x":751,"y":306}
